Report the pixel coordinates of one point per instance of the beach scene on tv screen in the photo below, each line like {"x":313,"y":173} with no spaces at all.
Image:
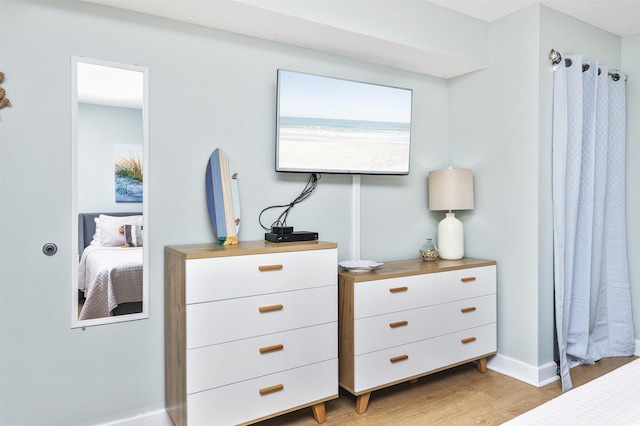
{"x":334,"y":125}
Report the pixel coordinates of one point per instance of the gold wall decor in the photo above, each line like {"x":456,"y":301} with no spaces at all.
{"x":4,"y":102}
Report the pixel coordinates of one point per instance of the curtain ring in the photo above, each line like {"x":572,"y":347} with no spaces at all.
{"x":568,"y":62}
{"x":615,"y":77}
{"x":585,"y":67}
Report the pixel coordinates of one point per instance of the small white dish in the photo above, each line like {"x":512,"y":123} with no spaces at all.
{"x":359,"y":265}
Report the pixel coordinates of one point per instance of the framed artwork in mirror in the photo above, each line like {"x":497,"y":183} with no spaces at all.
{"x":128,"y":173}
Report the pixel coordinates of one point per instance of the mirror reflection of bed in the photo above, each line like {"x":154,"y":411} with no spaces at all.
{"x":110,"y":268}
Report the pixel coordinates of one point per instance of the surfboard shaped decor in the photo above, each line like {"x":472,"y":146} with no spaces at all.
{"x":223,"y":201}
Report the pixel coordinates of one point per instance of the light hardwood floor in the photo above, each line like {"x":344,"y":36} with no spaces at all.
{"x":460,"y":396}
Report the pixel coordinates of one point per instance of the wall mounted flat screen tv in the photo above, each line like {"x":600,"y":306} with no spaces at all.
{"x":331,"y":125}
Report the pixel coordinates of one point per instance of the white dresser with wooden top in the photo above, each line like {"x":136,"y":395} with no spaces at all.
{"x":412,"y":318}
{"x":250,"y":331}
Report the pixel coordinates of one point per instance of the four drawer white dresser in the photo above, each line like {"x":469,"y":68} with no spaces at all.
{"x":250,"y":331}
{"x":411,"y":318}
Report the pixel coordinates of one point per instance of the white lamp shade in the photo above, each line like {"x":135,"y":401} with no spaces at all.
{"x":451,"y":189}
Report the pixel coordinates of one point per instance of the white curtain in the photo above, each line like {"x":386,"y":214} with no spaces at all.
{"x":592,"y":296}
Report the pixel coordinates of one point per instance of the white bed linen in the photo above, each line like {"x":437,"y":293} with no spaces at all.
{"x":611,"y":400}
{"x":109,"y":276}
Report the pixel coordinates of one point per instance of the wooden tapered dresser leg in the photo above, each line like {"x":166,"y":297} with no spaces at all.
{"x":319,"y":413}
{"x":362,"y":401}
{"x":482,"y":365}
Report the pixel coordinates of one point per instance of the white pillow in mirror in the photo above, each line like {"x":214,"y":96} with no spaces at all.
{"x":96,"y":236}
{"x":110,"y":235}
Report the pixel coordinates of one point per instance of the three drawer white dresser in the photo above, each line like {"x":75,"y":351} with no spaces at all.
{"x":250,"y":331}
{"x":412,"y":318}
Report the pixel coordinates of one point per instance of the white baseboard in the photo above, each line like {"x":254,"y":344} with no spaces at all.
{"x":153,"y":418}
{"x":534,"y":375}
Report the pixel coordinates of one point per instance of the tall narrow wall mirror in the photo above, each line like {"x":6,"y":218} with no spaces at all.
{"x":109,"y":194}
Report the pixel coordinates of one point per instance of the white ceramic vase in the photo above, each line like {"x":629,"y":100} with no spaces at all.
{"x":450,"y":237}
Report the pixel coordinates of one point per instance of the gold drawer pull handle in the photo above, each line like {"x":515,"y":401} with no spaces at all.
{"x":270,"y":308}
{"x":468,"y":340}
{"x":271,"y":348}
{"x":263,"y":268}
{"x":469,"y":309}
{"x":399,"y":358}
{"x":467,"y":279}
{"x":398,"y":324}
{"x":271,"y":389}
{"x":398,"y":289}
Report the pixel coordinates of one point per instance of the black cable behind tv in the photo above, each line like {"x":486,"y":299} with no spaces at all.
{"x":279,"y":231}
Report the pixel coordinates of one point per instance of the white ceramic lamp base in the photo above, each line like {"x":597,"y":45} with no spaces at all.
{"x":450,"y":238}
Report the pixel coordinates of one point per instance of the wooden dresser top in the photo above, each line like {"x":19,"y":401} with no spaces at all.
{"x":405,"y":268}
{"x":201,"y":251}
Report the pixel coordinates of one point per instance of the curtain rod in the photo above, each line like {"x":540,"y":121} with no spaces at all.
{"x":555,"y":58}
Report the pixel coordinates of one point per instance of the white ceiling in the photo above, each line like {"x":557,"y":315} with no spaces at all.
{"x":301,"y":23}
{"x":620,"y":17}
{"x":109,"y":85}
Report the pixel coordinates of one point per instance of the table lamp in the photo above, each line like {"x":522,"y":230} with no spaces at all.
{"x":451,"y":189}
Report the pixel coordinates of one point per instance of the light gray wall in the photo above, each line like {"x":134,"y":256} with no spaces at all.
{"x":208,"y":89}
{"x":493,"y":129}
